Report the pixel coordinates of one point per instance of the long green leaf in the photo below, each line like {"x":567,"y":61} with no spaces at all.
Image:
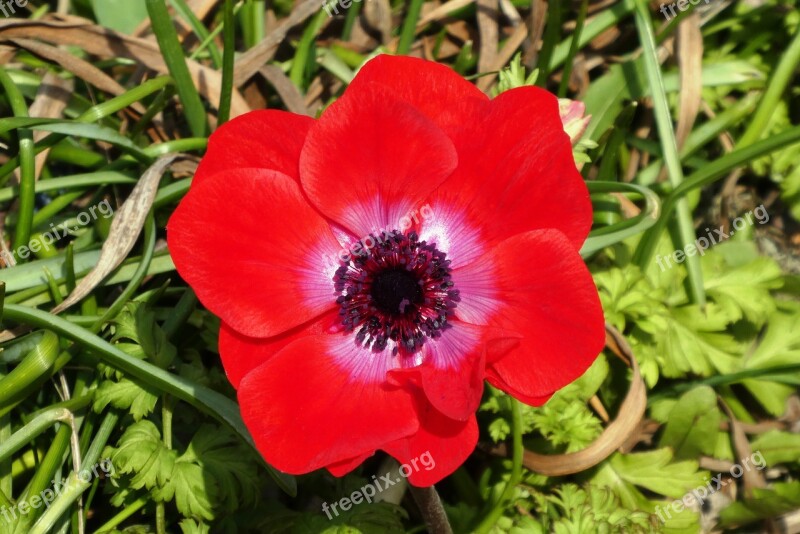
{"x":44,"y":420}
{"x":77,"y":181}
{"x":669,"y":146}
{"x":706,"y":175}
{"x":600,"y":239}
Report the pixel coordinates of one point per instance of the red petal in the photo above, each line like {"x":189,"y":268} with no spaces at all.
{"x":264,"y":139}
{"x":241,"y":354}
{"x":543,"y":291}
{"x":435,"y":90}
{"x":520,"y":144}
{"x":453,"y":371}
{"x":253,"y":250}
{"x":370,"y":159}
{"x":439,"y":447}
{"x":307,"y":409}
{"x":340,"y":469}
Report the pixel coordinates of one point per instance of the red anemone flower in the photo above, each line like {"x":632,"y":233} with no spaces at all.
{"x":374,"y":266}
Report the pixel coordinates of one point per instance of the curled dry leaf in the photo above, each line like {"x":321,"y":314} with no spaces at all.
{"x":612,"y":438}
{"x":125,"y":229}
{"x":615,"y":434}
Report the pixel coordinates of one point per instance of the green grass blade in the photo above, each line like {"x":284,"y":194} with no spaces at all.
{"x":167,"y":38}
{"x":77,"y":181}
{"x":229,"y":41}
{"x":252,"y":19}
{"x":573,"y":49}
{"x":75,"y":486}
{"x":669,"y":147}
{"x":199,"y":29}
{"x":97,"y":133}
{"x":552,"y":33}
{"x":22,"y":232}
{"x":777,"y":85}
{"x":118,"y":103}
{"x":304,"y":54}
{"x":350,"y":21}
{"x":409,"y":29}
{"x":599,"y":23}
{"x":42,"y":478}
{"x":138,"y":276}
{"x":30,"y":277}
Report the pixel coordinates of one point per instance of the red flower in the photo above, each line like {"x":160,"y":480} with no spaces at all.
{"x":371,"y":268}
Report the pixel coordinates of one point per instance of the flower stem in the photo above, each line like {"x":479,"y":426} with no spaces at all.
{"x":430,"y":505}
{"x":514,"y":479}
{"x":166,"y":421}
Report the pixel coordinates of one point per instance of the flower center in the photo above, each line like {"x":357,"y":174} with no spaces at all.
{"x":394,"y":290}
{"x":397,"y":292}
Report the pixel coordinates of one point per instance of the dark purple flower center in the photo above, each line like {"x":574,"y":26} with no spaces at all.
{"x":394,"y":290}
{"x":399,"y":290}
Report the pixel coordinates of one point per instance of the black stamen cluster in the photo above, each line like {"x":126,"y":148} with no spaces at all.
{"x":398,"y":292}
